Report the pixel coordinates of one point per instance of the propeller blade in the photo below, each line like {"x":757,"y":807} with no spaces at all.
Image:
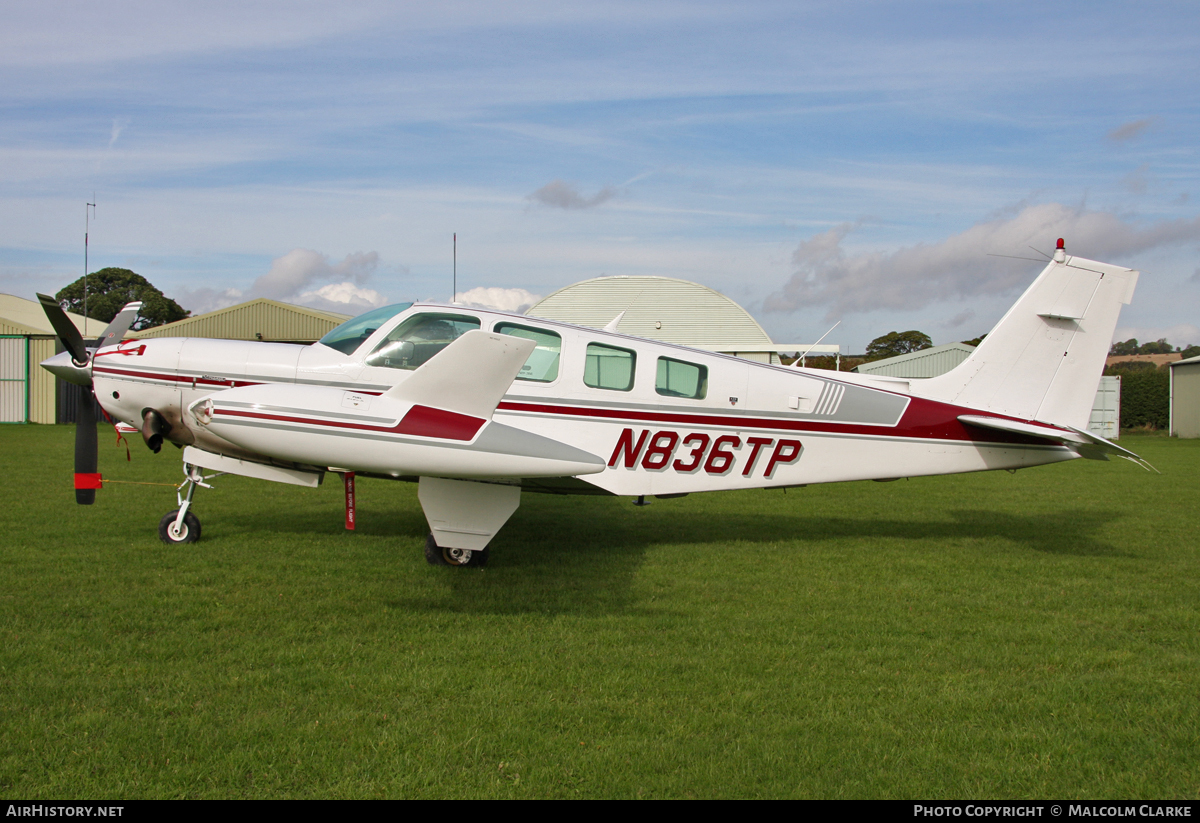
{"x":65,"y":329}
{"x":119,"y":325}
{"x":87,"y":479}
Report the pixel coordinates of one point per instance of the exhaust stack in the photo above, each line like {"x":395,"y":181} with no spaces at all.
{"x":154,"y":429}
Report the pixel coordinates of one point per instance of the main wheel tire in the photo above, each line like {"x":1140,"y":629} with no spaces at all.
{"x":436,"y":555}
{"x":189,"y":532}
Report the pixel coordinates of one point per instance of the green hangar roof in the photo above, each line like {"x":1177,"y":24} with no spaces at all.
{"x":260,"y":319}
{"x":659,"y":308}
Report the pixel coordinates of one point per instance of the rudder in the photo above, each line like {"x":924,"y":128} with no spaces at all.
{"x":1043,"y":360}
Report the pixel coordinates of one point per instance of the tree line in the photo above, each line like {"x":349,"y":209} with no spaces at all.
{"x":109,"y":289}
{"x":1159,"y":346}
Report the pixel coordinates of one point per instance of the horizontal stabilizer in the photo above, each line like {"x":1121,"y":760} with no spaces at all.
{"x":469,"y":376}
{"x":1098,"y":447}
{"x":1083,"y":443}
{"x":1016,"y":427}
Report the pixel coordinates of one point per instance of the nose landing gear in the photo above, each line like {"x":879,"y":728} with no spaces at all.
{"x":182,"y":525}
{"x":171,"y":531}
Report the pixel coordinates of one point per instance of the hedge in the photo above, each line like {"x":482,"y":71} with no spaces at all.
{"x":1145,"y":399}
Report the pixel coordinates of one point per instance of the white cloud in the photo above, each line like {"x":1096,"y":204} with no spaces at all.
{"x":293,"y":272}
{"x":916,"y":276}
{"x":203,"y":300}
{"x":563,"y":195}
{"x":343,"y":298}
{"x":118,"y":126}
{"x":513,"y":300}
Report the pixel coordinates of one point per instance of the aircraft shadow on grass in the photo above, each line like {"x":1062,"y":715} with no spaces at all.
{"x":587,"y":561}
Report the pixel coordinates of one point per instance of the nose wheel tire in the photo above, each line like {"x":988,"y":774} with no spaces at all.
{"x":189,"y":530}
{"x":436,"y":555}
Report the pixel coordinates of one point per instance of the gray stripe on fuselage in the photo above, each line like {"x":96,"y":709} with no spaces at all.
{"x":497,"y":438}
{"x":293,"y":410}
{"x":859,"y":405}
{"x":888,"y":438}
{"x":500,"y":449}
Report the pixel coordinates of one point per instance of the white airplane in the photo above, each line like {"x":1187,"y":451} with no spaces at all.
{"x":477,"y":406}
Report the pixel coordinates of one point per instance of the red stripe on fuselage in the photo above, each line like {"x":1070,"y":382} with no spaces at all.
{"x":224,"y":382}
{"x":922,"y":420}
{"x":172,"y":377}
{"x":419,"y":421}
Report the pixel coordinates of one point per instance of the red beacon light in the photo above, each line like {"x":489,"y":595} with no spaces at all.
{"x":1060,"y":254}
{"x":1061,"y":244}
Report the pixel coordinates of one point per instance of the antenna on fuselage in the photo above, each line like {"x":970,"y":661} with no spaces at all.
{"x":800,"y":359}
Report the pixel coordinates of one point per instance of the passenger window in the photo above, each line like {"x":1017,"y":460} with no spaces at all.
{"x":679,"y":379}
{"x":607,"y":367}
{"x":419,"y":338}
{"x":542,"y":365}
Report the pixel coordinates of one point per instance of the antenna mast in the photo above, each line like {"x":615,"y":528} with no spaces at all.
{"x":89,"y":211}
{"x":455,"y":298}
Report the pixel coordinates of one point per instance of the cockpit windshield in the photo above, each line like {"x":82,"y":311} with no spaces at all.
{"x":351,"y":334}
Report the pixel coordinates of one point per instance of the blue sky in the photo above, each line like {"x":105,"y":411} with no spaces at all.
{"x":853,"y":161}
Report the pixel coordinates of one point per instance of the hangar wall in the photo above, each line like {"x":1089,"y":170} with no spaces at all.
{"x":28,"y":393}
{"x":1105,"y":419}
{"x":1185,"y":398}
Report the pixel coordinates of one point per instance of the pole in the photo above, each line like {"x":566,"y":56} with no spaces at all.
{"x":88,"y":210}
{"x":455,"y":299}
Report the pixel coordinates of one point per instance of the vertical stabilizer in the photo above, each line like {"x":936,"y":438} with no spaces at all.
{"x":1043,"y":360}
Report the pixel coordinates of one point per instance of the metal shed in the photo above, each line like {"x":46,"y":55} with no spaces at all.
{"x":924,"y":363}
{"x":28,"y":393}
{"x":261,"y":319}
{"x":1185,"y":398}
{"x":667,"y":309}
{"x":1105,"y":419}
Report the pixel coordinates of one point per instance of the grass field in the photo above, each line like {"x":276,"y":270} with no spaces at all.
{"x":992,"y":635}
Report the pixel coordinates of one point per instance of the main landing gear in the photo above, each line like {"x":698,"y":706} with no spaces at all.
{"x":436,"y":555}
{"x":182,"y":525}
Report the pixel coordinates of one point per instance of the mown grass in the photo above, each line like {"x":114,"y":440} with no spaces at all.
{"x":993,"y":635}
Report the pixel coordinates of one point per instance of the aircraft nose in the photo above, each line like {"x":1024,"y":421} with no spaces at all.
{"x":62,"y":366}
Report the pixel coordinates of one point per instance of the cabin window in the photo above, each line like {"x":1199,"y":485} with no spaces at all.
{"x":347,"y":337}
{"x":676,"y":378}
{"x":419,"y":338}
{"x":608,"y":367}
{"x":542,"y":365}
